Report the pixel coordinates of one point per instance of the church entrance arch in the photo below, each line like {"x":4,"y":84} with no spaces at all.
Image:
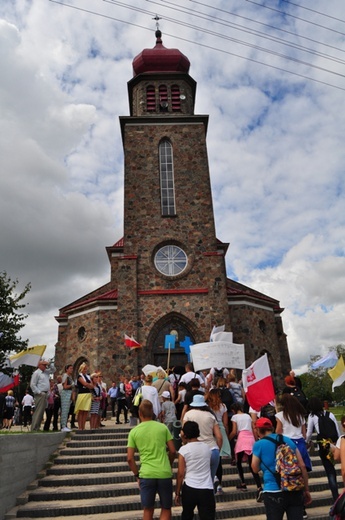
{"x":183,"y":329}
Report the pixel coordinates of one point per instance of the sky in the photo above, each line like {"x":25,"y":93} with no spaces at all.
{"x":270,"y":74}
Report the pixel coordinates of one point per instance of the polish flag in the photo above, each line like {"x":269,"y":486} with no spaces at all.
{"x":8,"y":382}
{"x":258,"y":383}
{"x":131,"y":342}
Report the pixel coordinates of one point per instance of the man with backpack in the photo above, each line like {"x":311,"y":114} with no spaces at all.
{"x":284,"y":473}
{"x":326,"y":427}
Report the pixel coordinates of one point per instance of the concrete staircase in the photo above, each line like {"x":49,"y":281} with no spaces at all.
{"x":90,"y":478}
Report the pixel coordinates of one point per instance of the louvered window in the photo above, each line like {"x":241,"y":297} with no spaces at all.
{"x":150,"y":99}
{"x":175,"y":98}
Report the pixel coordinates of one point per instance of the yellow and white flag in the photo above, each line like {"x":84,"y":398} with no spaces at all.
{"x":30,"y":356}
{"x":338,"y":373}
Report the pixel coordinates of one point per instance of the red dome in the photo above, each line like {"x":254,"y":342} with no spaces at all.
{"x":160,"y":59}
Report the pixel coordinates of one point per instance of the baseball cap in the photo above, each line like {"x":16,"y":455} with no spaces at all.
{"x":166,"y":394}
{"x":264,"y":422}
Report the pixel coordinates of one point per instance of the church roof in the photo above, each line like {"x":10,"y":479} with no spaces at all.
{"x":238,"y":291}
{"x":160,"y":59}
{"x":235,"y":292}
{"x":102,"y":295}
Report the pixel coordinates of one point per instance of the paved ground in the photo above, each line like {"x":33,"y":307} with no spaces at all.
{"x":109,"y":423}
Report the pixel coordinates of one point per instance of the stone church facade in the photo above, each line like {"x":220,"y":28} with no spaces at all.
{"x":167,"y":272}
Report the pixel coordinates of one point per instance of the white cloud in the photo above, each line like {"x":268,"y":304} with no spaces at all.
{"x":275,"y":144}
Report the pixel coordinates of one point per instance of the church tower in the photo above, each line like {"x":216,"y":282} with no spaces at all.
{"x":168,"y":273}
{"x":172,"y":275}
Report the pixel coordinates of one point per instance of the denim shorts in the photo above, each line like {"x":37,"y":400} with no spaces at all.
{"x":150,"y":486}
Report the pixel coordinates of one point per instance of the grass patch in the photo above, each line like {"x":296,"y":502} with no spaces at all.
{"x":338,"y":411}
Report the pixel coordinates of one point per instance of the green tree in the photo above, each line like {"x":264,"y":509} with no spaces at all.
{"x":11,"y":317}
{"x":318,"y":383}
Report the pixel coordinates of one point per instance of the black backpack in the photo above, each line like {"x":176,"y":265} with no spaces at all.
{"x":327,"y":427}
{"x":300,"y":395}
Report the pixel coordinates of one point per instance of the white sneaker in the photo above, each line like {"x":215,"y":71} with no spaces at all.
{"x":65,"y":429}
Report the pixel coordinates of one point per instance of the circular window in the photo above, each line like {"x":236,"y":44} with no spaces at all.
{"x":171,"y":260}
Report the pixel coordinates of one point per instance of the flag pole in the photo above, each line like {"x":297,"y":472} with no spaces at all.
{"x":168,"y":357}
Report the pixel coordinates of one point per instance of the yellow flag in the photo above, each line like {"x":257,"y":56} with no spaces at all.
{"x":338,"y":370}
{"x":30,"y":356}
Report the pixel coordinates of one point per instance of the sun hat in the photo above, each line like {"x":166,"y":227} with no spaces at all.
{"x":264,"y":422}
{"x":198,"y":401}
{"x":166,"y":394}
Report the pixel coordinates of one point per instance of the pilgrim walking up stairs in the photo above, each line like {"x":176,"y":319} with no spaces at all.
{"x":90,"y":478}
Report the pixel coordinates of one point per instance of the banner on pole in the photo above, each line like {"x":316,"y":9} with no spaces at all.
{"x":217,"y":354}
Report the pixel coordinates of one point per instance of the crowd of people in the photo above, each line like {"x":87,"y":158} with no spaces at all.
{"x":215,"y":420}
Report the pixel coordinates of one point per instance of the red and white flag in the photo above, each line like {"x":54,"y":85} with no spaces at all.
{"x":258,"y":383}
{"x":131,"y":342}
{"x":8,"y":382}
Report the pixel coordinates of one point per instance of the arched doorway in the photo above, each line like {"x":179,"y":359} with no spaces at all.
{"x":184,"y":331}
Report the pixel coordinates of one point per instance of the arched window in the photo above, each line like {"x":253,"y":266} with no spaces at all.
{"x":150,"y":99}
{"x":175,"y":98}
{"x":166,"y":170}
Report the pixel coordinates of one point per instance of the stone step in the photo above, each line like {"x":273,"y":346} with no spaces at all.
{"x":84,"y":466}
{"x":112,"y":489}
{"x":317,"y":513}
{"x":96,"y":458}
{"x":90,"y":476}
{"x":94,"y":449}
{"x":108,"y":433}
{"x":112,"y":477}
{"x":233,"y":508}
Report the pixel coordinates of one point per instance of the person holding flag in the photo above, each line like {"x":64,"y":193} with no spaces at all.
{"x":40,"y":386}
{"x":258,"y":383}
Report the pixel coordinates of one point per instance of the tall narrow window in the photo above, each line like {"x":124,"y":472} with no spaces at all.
{"x":175,"y":98}
{"x":166,"y":169}
{"x":150,"y":99}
